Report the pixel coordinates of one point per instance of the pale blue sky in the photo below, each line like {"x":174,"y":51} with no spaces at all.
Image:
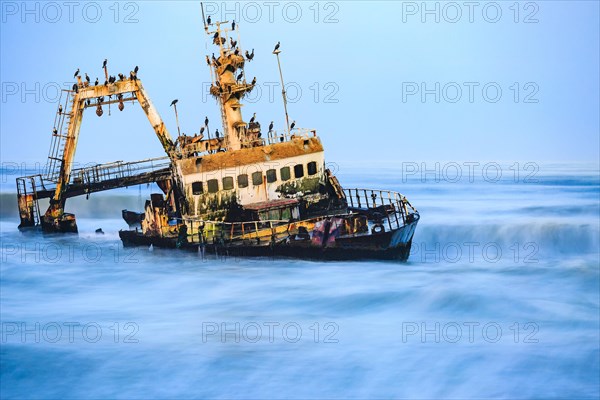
{"x":367,"y":57}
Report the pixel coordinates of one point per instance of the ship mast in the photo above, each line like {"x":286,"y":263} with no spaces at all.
{"x":226,"y":88}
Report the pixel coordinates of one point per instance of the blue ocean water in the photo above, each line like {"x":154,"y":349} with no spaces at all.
{"x":499,"y":299}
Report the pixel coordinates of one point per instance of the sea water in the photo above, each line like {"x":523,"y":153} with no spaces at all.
{"x":499,"y":299}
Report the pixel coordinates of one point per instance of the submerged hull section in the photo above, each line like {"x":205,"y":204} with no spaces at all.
{"x":391,"y":245}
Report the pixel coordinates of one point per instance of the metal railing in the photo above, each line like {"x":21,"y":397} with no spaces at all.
{"x":273,"y":137}
{"x":389,"y":205}
{"x":117,"y":170}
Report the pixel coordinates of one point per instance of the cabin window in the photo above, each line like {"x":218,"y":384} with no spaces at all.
{"x":271,"y":175}
{"x":227,"y":183}
{"x":197,"y":188}
{"x":298,"y":170}
{"x":284,"y":173}
{"x":311,"y":168}
{"x":257,"y":178}
{"x":213,"y":186}
{"x":242,"y":181}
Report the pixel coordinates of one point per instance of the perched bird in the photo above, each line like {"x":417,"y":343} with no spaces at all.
{"x":208,"y":20}
{"x":276,"y":47}
{"x":174,"y":102}
{"x":105,"y":83}
{"x":136,"y":69}
{"x":89,"y":102}
{"x":253,"y":118}
{"x":96,"y":83}
{"x":75,"y":88}
{"x":207,"y":61}
{"x":104,"y":63}
{"x":237,"y":51}
{"x":241,"y":74}
{"x":271,"y":126}
{"x":60,"y":108}
{"x":233,"y":25}
{"x":233,"y":42}
{"x":87,"y":78}
{"x":206,"y":121}
{"x":250,"y":56}
{"x":55,"y":131}
{"x":254,"y":81}
{"x":217,"y":133}
{"x":216,"y":35}
{"x":76,"y":73}
{"x":201,"y":130}
{"x":292,"y":125}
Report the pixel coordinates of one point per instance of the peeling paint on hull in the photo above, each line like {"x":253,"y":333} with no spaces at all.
{"x":391,"y":245}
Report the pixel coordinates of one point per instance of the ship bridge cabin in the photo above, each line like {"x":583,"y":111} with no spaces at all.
{"x":283,"y":176}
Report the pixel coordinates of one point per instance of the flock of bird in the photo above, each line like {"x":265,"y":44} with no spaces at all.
{"x":111,"y":79}
{"x":215,"y":61}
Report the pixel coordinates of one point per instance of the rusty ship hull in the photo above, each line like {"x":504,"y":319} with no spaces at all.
{"x":387,"y":245}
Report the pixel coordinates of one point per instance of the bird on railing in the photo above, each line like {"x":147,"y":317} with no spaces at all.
{"x":271,"y":126}
{"x":87,"y":78}
{"x":96,"y":82}
{"x":233,"y":42}
{"x":217,"y":133}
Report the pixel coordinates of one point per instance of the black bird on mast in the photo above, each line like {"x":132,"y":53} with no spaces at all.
{"x":271,"y":126}
{"x":239,"y":76}
{"x":276,"y":47}
{"x":104,"y":63}
{"x":208,"y":20}
{"x":233,"y":42}
{"x":76,"y":73}
{"x":254,"y":81}
{"x":174,"y":102}
{"x":87,"y":78}
{"x":96,"y":83}
{"x":136,"y":69}
{"x":292,"y":125}
{"x":233,"y":25}
{"x":206,"y":119}
{"x":253,"y":118}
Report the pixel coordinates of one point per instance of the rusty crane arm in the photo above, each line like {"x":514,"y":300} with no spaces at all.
{"x":96,"y":95}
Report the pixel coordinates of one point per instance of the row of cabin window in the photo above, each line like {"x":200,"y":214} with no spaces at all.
{"x":212,"y":185}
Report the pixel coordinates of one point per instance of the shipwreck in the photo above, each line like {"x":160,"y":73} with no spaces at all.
{"x":245,"y":191}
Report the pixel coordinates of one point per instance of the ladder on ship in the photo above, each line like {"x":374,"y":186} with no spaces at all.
{"x":60,"y":134}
